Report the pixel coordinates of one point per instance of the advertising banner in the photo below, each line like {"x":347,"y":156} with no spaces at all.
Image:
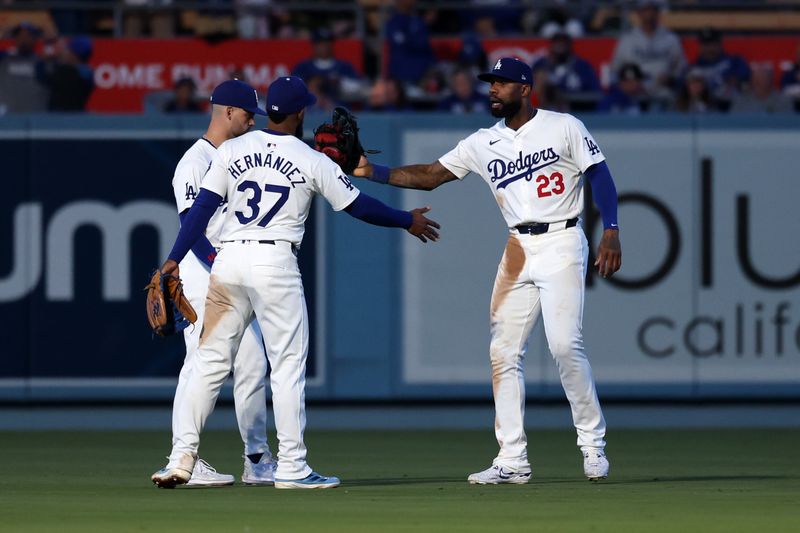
{"x":125,"y":70}
{"x":88,"y":218}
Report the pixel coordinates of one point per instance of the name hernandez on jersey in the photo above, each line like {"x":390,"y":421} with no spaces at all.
{"x":270,"y":180}
{"x":535,"y":172}
{"x":187,"y":180}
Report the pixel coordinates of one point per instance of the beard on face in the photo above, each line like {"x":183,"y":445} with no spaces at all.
{"x":298,"y":131}
{"x":506,"y":110}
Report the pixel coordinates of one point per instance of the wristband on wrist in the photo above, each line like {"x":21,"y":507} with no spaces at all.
{"x":380,"y":174}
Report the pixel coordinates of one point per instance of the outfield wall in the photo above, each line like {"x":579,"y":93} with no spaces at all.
{"x":706,"y":304}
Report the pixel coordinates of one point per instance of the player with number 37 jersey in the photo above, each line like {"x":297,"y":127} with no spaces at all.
{"x":270,"y":179}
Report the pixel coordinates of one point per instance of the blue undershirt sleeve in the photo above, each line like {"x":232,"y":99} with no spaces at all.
{"x":375,"y":212}
{"x":202,"y":249}
{"x":194,"y":223}
{"x":604,"y":193}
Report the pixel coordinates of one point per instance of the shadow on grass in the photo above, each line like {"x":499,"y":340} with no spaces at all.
{"x":401,"y":481}
{"x":548,"y":481}
{"x":689,"y":479}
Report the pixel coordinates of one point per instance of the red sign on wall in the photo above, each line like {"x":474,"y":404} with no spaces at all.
{"x":125,"y":70}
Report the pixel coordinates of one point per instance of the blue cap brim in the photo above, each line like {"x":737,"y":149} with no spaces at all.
{"x":490,"y":77}
{"x":311,"y":100}
{"x":254,"y":110}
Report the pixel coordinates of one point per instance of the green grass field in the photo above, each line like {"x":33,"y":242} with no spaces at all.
{"x":720,"y":480}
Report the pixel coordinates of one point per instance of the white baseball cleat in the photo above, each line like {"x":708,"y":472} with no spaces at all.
{"x":595,"y":463}
{"x":177,"y":472}
{"x":496,"y":474}
{"x":205,"y":475}
{"x":260,"y":473}
{"x":311,"y":481}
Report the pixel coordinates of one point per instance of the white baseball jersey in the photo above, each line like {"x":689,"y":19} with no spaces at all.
{"x":186,"y":184}
{"x":270,"y":180}
{"x":535,"y":172}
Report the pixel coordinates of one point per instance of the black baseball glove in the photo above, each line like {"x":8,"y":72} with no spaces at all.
{"x":338,"y":140}
{"x":168,"y":309}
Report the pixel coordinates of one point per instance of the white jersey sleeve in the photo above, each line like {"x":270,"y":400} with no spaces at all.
{"x":461,"y":160}
{"x":583,"y":148}
{"x":186,"y":181}
{"x":216,"y":179}
{"x":333,"y":184}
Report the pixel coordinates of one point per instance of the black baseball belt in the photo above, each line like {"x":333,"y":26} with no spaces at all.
{"x":537,"y":228}
{"x":295,"y":248}
{"x":244,"y":241}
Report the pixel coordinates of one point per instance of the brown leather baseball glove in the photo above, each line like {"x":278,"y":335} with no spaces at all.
{"x":168,"y":309}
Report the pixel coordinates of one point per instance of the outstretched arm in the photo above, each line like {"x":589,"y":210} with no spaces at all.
{"x":424,"y":177}
{"x":373,"y":211}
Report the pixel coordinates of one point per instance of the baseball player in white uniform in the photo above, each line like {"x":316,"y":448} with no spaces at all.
{"x":234,"y":104}
{"x":270,"y":178}
{"x":534,"y":161}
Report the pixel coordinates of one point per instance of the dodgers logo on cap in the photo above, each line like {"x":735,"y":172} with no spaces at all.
{"x":511,"y":69}
{"x":236,"y":93}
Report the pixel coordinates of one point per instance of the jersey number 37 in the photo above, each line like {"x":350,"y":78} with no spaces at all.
{"x":254,"y":202}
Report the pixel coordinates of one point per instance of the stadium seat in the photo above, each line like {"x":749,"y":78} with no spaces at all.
{"x":763,"y":21}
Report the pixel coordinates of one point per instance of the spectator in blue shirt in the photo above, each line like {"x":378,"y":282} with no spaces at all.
{"x":725,"y":74}
{"x":339,"y":76}
{"x":628,"y":96}
{"x":410,"y":51}
{"x":463,"y":98}
{"x":574,"y":77}
{"x":497,"y":17}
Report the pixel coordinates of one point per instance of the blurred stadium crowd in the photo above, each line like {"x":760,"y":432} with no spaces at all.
{"x":47,"y":65}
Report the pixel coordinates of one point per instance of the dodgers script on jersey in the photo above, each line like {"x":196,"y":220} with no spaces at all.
{"x":270,"y":180}
{"x":534,"y":172}
{"x":187,"y":181}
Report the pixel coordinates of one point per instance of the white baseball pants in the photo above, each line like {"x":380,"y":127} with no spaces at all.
{"x":246,"y":278}
{"x":541,"y":275}
{"x":249,"y":366}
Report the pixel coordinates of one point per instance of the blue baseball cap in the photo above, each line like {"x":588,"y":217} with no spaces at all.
{"x":81,"y":47}
{"x":509,"y":68}
{"x":288,"y":95}
{"x":236,"y":93}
